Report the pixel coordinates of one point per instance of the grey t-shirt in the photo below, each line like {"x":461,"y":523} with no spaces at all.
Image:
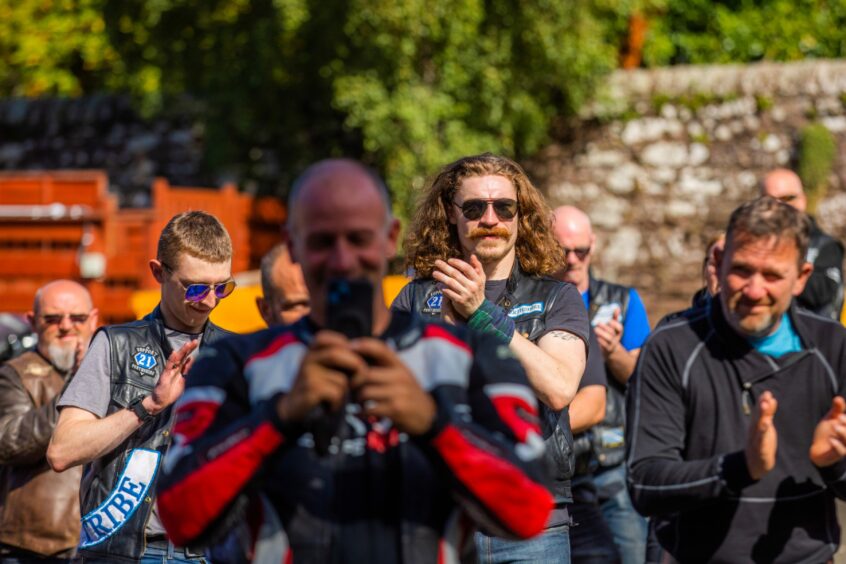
{"x":90,"y":389}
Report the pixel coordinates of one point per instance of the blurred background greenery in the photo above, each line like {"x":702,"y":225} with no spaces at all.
{"x":404,"y":85}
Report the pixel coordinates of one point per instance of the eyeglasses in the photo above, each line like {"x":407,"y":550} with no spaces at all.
{"x":57,"y":318}
{"x":198,"y":292}
{"x":787,"y":198}
{"x":504,"y":208}
{"x":580,"y":252}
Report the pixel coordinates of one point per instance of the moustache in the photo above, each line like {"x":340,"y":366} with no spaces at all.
{"x":481,"y":232}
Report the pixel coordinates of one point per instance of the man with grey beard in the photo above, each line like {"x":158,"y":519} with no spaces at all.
{"x":39,"y":508}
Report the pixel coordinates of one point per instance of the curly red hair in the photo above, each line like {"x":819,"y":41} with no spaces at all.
{"x":431,"y":236}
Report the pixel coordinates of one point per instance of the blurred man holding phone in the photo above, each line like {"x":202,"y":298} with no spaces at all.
{"x":433,"y":438}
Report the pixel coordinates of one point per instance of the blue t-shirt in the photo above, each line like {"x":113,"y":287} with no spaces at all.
{"x":635,"y":323}
{"x":785,"y":340}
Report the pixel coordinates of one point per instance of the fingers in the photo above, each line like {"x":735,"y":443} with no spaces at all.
{"x":477,"y":265}
{"x":767,"y":406}
{"x":377,"y":352}
{"x":178,"y":358}
{"x":838,"y":407}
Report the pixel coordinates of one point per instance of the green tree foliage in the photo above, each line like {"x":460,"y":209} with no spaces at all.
{"x":405,"y":85}
{"x":817,"y":150}
{"x":724,"y":31}
{"x":50,"y":47}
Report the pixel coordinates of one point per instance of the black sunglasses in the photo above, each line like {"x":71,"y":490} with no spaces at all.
{"x":504,"y":208}
{"x":57,"y":318}
{"x":198,"y":292}
{"x":580,"y":252}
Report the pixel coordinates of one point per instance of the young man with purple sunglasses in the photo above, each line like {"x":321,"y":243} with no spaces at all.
{"x":115,"y":415}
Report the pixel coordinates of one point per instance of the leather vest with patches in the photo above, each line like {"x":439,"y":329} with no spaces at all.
{"x":110,"y":493}
{"x":607,"y":450}
{"x":526,"y":299}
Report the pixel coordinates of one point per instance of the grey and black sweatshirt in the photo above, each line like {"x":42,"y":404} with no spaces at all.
{"x":690,"y":402}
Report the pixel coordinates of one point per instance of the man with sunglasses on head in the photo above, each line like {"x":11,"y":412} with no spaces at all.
{"x":115,"y":416}
{"x":619,"y":320}
{"x":480,"y":246}
{"x":39,"y":508}
{"x":823,"y":293}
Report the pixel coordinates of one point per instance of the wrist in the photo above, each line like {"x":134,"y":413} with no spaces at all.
{"x":142,"y":408}
{"x":492,"y":319}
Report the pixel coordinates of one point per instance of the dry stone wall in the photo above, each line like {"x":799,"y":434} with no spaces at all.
{"x":662,"y":157}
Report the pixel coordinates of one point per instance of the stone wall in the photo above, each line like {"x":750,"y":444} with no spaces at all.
{"x":662,"y":157}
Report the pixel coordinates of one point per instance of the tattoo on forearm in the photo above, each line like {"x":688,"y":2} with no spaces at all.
{"x":564,"y":336}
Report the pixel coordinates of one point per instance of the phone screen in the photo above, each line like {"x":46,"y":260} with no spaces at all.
{"x":349,"y":307}
{"x":604,"y":313}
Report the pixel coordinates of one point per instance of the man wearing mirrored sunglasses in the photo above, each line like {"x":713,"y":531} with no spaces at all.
{"x":481,"y":247}
{"x":39,"y":508}
{"x":116,"y":417}
{"x":823,"y":294}
{"x":619,"y":320}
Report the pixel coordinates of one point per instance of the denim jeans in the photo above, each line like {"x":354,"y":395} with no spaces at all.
{"x":155,"y":554}
{"x":550,"y":547}
{"x":626,"y":524}
{"x":32,"y":560}
{"x":591,"y":541}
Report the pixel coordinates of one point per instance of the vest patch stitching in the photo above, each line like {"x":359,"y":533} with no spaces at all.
{"x":124,"y":499}
{"x":526,"y":309}
{"x":145,"y":360}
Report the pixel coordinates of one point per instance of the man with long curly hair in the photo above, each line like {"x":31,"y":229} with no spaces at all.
{"x":481,"y":247}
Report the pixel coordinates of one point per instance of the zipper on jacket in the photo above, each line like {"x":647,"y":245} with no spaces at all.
{"x":746,"y":398}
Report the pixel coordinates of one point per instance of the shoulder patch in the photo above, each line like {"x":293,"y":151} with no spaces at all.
{"x":433,"y":303}
{"x":145,"y":359}
{"x":526,"y":309}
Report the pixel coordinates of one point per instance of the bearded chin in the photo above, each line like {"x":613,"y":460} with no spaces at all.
{"x":62,"y":357}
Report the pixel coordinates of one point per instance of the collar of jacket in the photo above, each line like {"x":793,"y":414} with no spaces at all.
{"x":738,"y":343}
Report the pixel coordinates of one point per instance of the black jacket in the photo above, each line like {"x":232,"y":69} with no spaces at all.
{"x":823,"y":293}
{"x":526,"y":299}
{"x":115,"y":510}
{"x":690,"y":402}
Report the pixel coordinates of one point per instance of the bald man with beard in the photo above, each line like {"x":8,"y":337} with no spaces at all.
{"x":823,"y":292}
{"x":39,"y":508}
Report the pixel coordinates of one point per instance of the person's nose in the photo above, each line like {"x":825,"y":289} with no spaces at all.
{"x":755,"y":288}
{"x":342,"y":259}
{"x":489,"y":217}
{"x":65,"y":325}
{"x":211,"y":299}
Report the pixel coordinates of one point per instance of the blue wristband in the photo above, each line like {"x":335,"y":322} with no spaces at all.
{"x":490,"y":318}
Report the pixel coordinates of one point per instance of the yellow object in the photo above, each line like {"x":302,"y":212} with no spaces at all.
{"x":238,"y":312}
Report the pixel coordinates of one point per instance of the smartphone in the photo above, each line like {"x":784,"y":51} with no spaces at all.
{"x":604,"y":313}
{"x":349,"y":307}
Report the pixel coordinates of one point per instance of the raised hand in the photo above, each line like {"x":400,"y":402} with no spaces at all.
{"x":463,"y":283}
{"x":388,"y":389}
{"x":323,"y":378}
{"x":762,"y":438}
{"x":829,"y":444}
{"x":171,"y":383}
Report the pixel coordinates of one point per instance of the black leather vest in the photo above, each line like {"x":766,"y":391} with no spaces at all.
{"x":139,"y":351}
{"x":817,"y":241}
{"x":609,"y":453}
{"x":522,"y":293}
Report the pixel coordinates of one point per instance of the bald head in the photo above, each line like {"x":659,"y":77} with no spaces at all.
{"x":64,"y":319}
{"x":571,"y":221}
{"x":285,"y":297}
{"x":574,"y":233}
{"x":50,"y":291}
{"x":336,"y":174}
{"x":785,"y":185}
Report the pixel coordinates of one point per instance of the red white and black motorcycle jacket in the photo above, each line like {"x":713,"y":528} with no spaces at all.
{"x":378,"y":495}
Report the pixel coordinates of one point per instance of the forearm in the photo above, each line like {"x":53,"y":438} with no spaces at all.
{"x":24,"y":436}
{"x":587,"y":408}
{"x":223,"y":462}
{"x":501,"y":489}
{"x":621,"y":363}
{"x":554,"y":382}
{"x":658,"y":485}
{"x":77,"y":441}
